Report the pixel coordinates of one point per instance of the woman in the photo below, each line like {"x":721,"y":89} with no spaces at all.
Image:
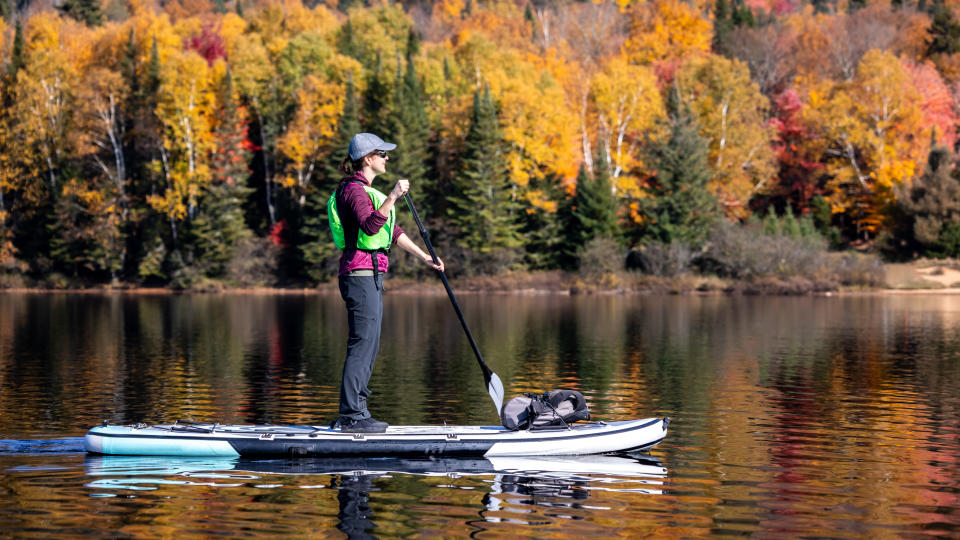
{"x":363,"y":222}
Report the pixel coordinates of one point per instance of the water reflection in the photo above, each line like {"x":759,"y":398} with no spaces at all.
{"x":509,"y":484}
{"x":792,"y":416}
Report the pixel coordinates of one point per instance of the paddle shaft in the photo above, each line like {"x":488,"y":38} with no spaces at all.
{"x":453,"y":299}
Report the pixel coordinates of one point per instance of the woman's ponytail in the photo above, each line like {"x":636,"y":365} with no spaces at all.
{"x":350,"y":167}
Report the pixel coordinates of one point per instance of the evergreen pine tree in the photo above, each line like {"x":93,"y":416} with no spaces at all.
{"x":17,"y":59}
{"x":86,"y":11}
{"x":594,"y":206}
{"x":742,"y":16}
{"x":481,"y":207}
{"x":574,"y":236}
{"x":128,"y":63}
{"x":347,"y":41}
{"x":153,"y":69}
{"x":147,"y":241}
{"x":821,"y":6}
{"x":933,"y":204}
{"x":219,"y":227}
{"x":855,"y":5}
{"x":944,"y":32}
{"x":680,"y":208}
{"x":375,"y":102}
{"x":722,"y":25}
{"x":789,"y":226}
{"x":542,"y":229}
{"x":409,"y":128}
{"x":770,"y":225}
{"x":413,"y":44}
{"x":530,"y":19}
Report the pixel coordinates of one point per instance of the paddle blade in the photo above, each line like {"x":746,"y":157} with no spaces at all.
{"x":495,"y":389}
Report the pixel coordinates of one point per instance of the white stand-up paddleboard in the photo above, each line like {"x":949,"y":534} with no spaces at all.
{"x":196,"y":439}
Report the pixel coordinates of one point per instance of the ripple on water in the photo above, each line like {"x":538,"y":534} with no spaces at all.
{"x":63,"y":445}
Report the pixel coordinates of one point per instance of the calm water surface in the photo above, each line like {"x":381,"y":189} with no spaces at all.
{"x":814,"y":417}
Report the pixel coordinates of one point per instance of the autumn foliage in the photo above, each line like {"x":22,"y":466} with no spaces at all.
{"x":128,"y":148}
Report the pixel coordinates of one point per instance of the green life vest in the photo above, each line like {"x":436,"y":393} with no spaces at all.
{"x":379,"y":241}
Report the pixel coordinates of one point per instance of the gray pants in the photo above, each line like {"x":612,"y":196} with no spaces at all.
{"x":364,"y":301}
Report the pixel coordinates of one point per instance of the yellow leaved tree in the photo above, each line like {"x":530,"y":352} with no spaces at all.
{"x":8,"y":252}
{"x":186,"y":98}
{"x":42,"y":107}
{"x":664,"y":31}
{"x":538,"y":120}
{"x":313,"y":129}
{"x":627,"y":107}
{"x":732,"y":113}
{"x":870,"y":133}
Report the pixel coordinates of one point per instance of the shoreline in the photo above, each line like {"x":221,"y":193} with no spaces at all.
{"x":924,"y":277}
{"x":406,"y":287}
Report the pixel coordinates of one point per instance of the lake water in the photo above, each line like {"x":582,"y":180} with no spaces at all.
{"x":816,"y":417}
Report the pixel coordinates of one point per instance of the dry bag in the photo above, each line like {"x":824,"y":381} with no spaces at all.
{"x":533,"y":411}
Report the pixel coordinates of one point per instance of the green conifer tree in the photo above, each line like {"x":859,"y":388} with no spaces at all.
{"x":855,"y":5}
{"x":574,"y":236}
{"x":86,"y":11}
{"x":376,"y":101}
{"x":680,"y":208}
{"x":218,"y":228}
{"x":542,"y":229}
{"x":770,"y":225}
{"x":595,"y":208}
{"x":944,"y":32}
{"x":409,"y":128}
{"x":18,"y":60}
{"x":722,"y":25}
{"x":481,"y":204}
{"x":789,"y":225}
{"x":147,"y":241}
{"x":742,"y":16}
{"x":347,"y":41}
{"x":822,"y":6}
{"x":932,"y":205}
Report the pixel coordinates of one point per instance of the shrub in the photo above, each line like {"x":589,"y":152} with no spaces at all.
{"x":665,"y":260}
{"x":746,"y":252}
{"x":12,"y":281}
{"x":601,"y":257}
{"x":254,"y":263}
{"x":856,"y":269}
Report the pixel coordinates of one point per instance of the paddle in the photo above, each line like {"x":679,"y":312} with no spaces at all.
{"x":494,"y":386}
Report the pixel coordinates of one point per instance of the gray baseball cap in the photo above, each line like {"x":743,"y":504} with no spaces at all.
{"x":363,"y":143}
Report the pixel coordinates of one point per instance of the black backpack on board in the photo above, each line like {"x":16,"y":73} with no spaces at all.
{"x":538,"y":411}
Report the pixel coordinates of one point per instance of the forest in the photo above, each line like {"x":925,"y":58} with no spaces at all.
{"x":180,"y":143}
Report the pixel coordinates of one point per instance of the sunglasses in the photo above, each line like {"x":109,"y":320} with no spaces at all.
{"x":381,"y":153}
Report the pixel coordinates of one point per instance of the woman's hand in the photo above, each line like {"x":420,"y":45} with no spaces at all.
{"x":429,"y":260}
{"x":399,"y":190}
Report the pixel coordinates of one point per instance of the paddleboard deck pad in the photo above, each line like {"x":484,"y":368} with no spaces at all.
{"x":198,"y":439}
